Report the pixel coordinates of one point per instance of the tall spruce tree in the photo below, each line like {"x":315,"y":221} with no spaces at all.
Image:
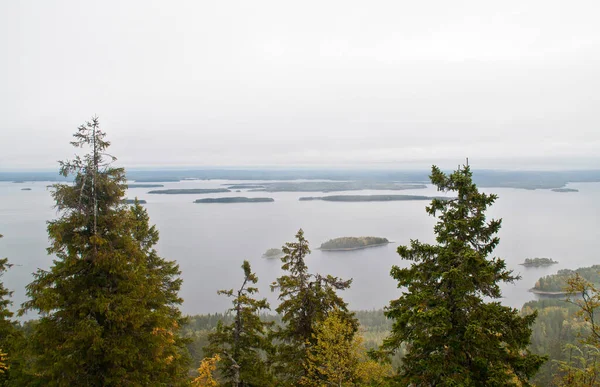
{"x":455,"y":334}
{"x":306,"y":299}
{"x":108,"y":305}
{"x":243,"y":344}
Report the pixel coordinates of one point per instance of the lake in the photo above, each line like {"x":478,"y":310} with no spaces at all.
{"x":210,"y":241}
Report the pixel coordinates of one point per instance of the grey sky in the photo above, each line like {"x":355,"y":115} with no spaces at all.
{"x":511,"y":84}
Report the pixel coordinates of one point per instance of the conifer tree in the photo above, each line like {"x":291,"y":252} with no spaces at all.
{"x":242,"y":345}
{"x":306,"y":299}
{"x":9,"y":336}
{"x":108,"y":305}
{"x":455,"y":332}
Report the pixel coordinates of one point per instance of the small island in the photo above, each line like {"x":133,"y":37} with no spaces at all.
{"x":235,"y":200}
{"x":352,"y":243}
{"x":367,"y":198}
{"x":132,"y":201}
{"x":188,"y":191}
{"x":535,"y":262}
{"x":134,"y":185}
{"x":564,"y":190}
{"x":25,"y":189}
{"x":273,"y":253}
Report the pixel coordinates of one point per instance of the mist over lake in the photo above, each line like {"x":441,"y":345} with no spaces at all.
{"x":210,"y":240}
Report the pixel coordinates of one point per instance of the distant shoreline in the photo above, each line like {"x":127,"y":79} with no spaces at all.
{"x":548,"y":293}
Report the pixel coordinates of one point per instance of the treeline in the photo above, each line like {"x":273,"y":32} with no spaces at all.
{"x":109,"y":305}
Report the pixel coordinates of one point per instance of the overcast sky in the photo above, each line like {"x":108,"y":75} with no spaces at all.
{"x":510,"y":84}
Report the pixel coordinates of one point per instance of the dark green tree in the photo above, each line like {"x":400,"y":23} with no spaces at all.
{"x":306,"y":299}
{"x":454,"y":332}
{"x":108,"y":305}
{"x":243,"y":344}
{"x":10,"y":338}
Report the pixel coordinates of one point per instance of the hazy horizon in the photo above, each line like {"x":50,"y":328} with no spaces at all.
{"x":510,"y":85}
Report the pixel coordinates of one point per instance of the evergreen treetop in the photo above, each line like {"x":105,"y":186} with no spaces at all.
{"x":108,"y":305}
{"x":455,"y":336}
{"x":305,"y":300}
{"x":243,"y":344}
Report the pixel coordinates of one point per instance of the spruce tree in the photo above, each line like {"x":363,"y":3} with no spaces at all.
{"x":306,"y":299}
{"x":242,"y":345}
{"x":454,"y":330}
{"x":108,"y":305}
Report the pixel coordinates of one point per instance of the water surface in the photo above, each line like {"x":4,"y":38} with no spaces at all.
{"x":210,"y":241}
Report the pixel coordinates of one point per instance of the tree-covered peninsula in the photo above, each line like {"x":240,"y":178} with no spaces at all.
{"x":352,"y":243}
{"x":188,"y":191}
{"x":565,"y":190}
{"x":556,"y":284}
{"x":365,"y":198}
{"x":535,"y":262}
{"x":235,"y":200}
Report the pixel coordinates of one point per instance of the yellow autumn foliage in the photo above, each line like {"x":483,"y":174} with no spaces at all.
{"x":206,"y":370}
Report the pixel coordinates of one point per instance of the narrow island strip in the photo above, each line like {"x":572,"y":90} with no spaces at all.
{"x":188,"y":191}
{"x":235,"y":200}
{"x":368,"y":198}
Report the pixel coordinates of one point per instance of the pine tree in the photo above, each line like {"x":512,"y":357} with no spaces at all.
{"x":243,"y":344}
{"x":108,"y":305}
{"x":453,"y":335}
{"x":306,"y":299}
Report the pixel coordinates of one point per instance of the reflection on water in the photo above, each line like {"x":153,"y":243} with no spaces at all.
{"x":210,"y":241}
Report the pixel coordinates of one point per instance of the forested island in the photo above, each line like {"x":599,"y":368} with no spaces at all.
{"x":555,"y":284}
{"x":235,"y":200}
{"x":188,"y":191}
{"x":352,"y":243}
{"x":535,"y":262}
{"x":565,"y":190}
{"x":366,"y":198}
{"x":332,"y":186}
{"x":25,"y":189}
{"x":273,"y":253}
{"x":134,"y":185}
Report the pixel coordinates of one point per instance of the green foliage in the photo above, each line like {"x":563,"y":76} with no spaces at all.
{"x":559,"y":282}
{"x":352,"y":243}
{"x":242,"y":344}
{"x":10,"y":338}
{"x":305,"y":300}
{"x":339,"y":358}
{"x":452,"y":336}
{"x":108,"y":304}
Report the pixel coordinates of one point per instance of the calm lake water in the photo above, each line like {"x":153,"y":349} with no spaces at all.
{"x":210,"y":241}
